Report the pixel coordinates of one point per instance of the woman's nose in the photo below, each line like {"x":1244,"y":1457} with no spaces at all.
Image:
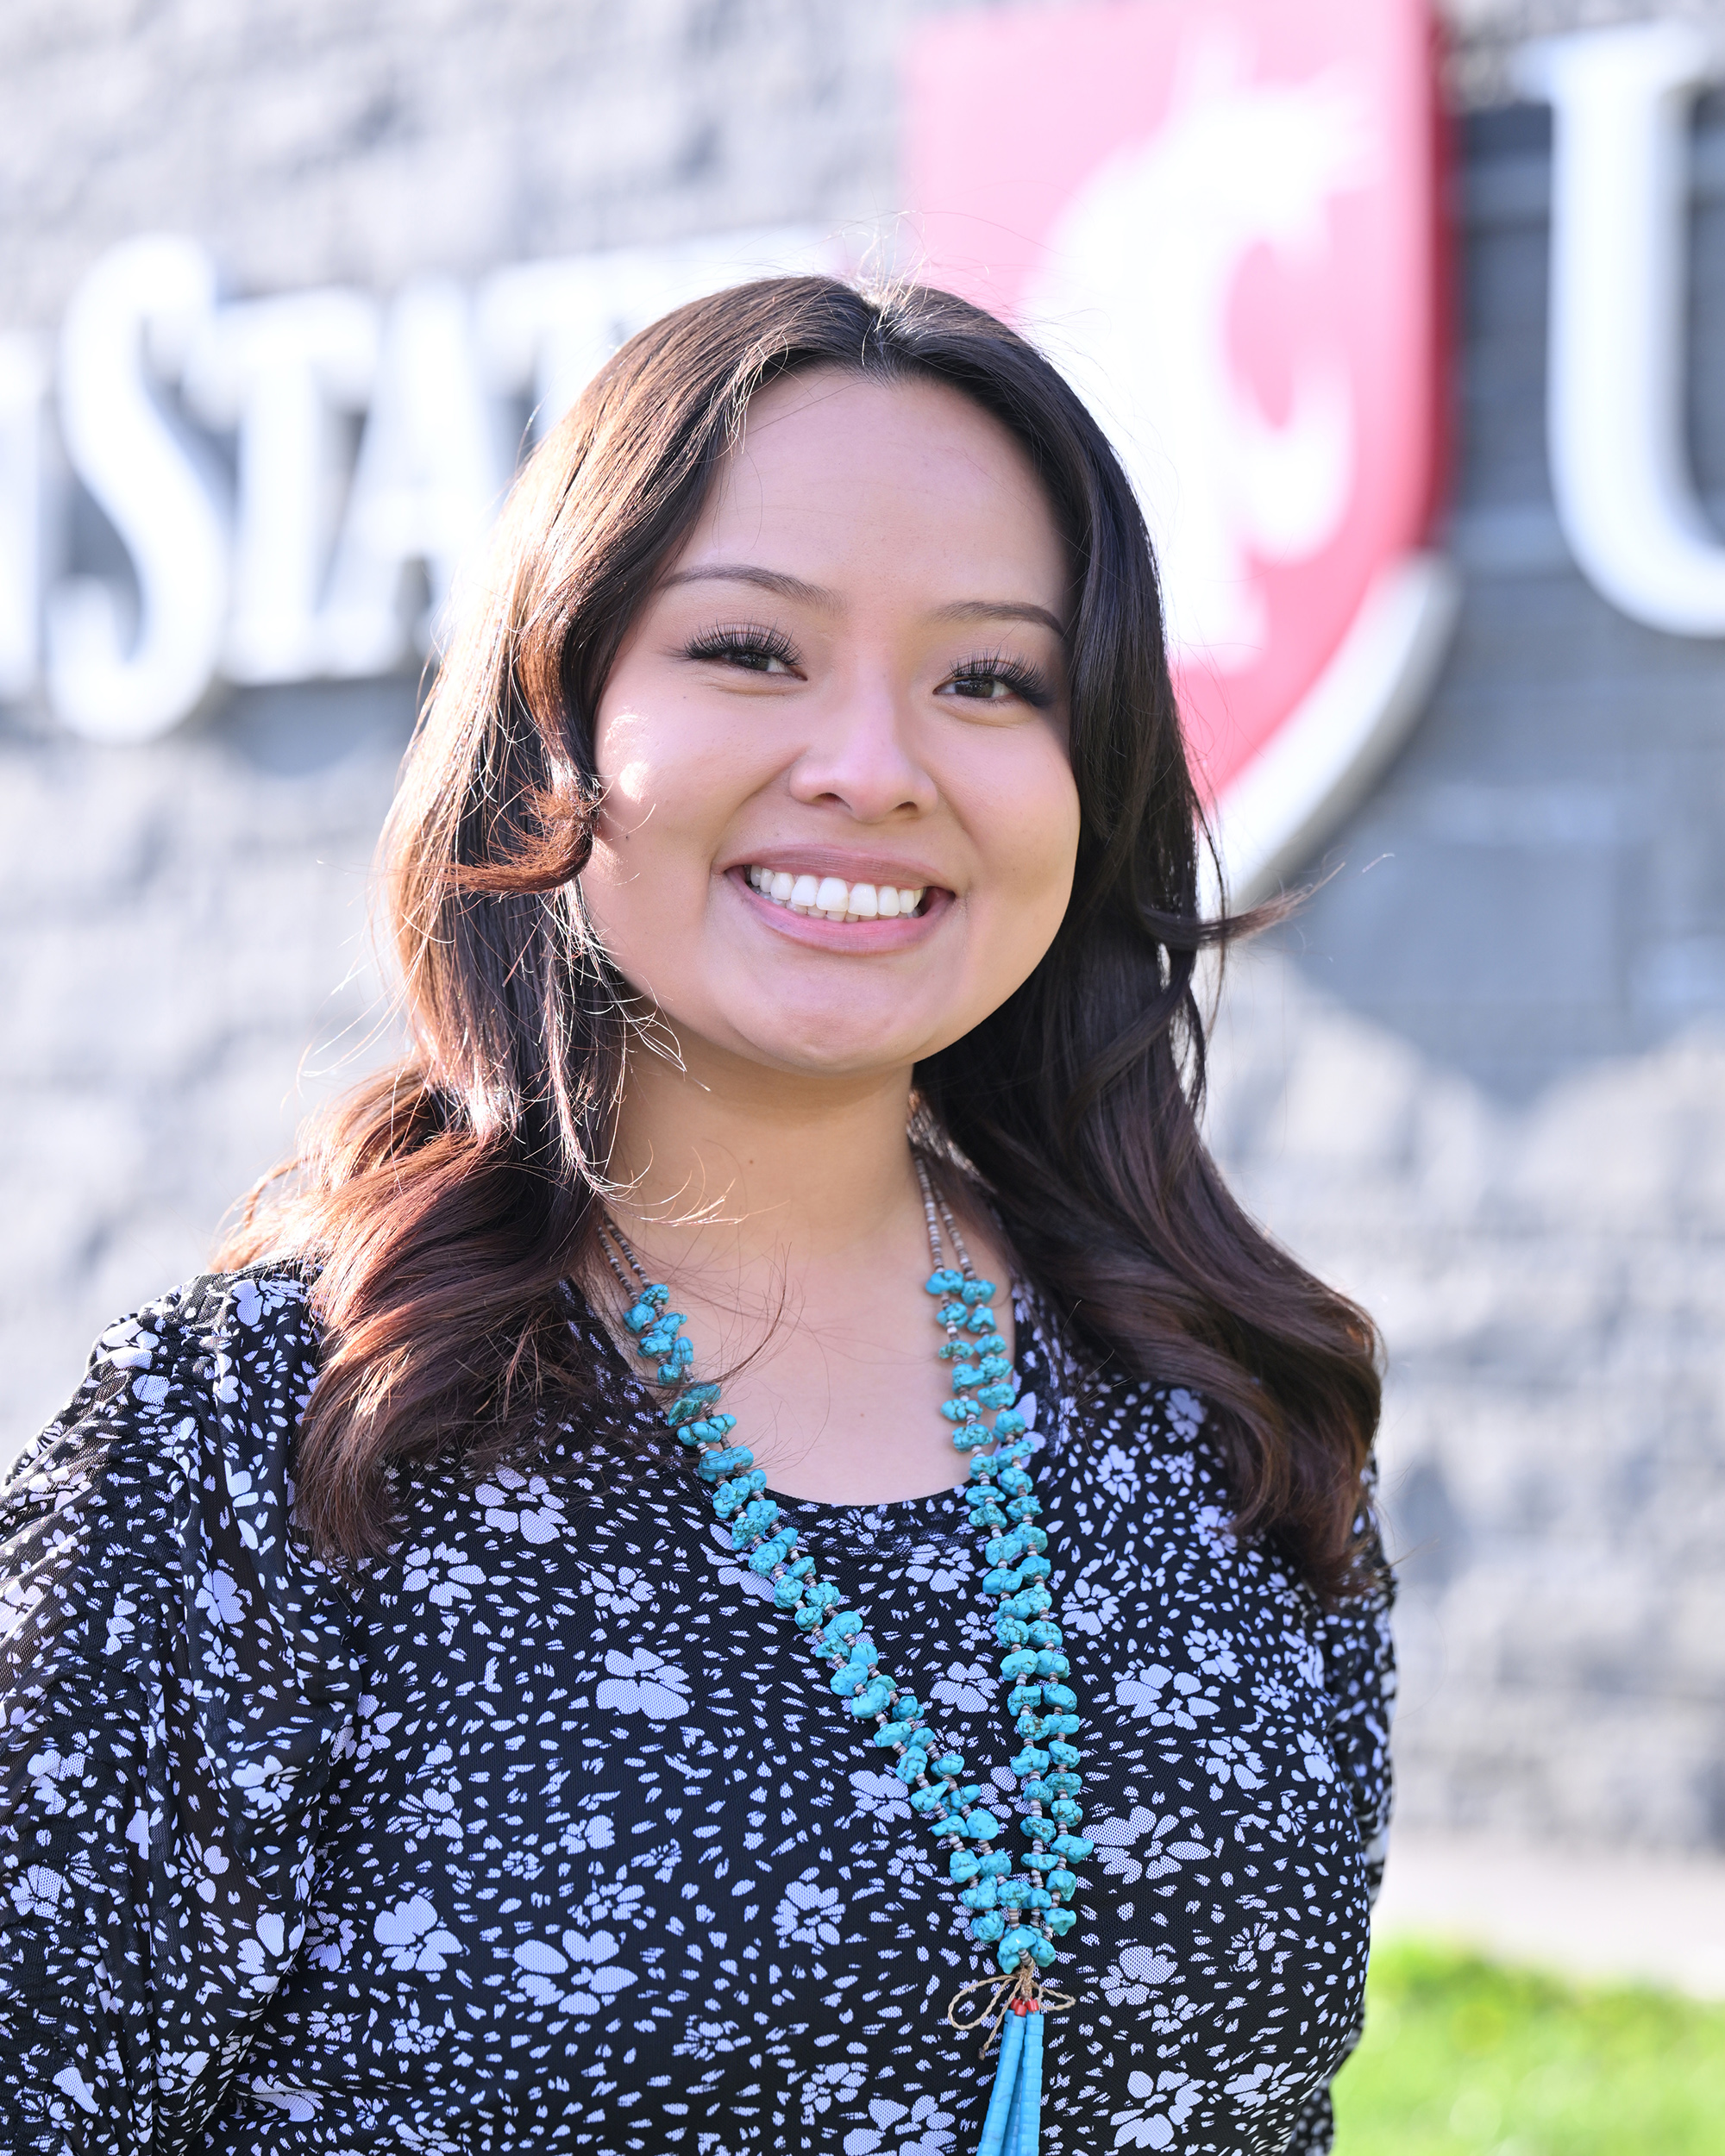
{"x":861,"y":756}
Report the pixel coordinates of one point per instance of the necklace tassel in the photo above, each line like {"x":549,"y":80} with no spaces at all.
{"x":1014,"y":2124}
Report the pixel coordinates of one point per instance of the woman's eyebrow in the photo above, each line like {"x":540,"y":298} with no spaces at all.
{"x":775,"y":580}
{"x":1001,"y":609}
{"x":792,"y":588}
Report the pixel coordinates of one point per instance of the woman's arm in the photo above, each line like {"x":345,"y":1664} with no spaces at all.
{"x":176,"y":1682}
{"x":1360,"y":1678}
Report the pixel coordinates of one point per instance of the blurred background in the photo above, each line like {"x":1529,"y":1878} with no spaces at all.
{"x":1480,"y":1083}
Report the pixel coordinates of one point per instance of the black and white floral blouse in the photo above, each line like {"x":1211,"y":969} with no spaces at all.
{"x":546,"y":1834}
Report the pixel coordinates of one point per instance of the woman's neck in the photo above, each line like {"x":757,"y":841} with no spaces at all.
{"x":786,"y":1217}
{"x":724,"y":1161}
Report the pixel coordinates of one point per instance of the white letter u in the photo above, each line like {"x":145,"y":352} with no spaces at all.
{"x":1614,"y":364}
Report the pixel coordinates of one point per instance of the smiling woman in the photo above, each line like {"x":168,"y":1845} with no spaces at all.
{"x":448,"y":1684}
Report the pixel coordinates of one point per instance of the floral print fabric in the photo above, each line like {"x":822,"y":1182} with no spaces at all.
{"x":545,"y":1832}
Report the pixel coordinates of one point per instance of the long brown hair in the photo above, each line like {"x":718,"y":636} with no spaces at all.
{"x":450,"y":1200}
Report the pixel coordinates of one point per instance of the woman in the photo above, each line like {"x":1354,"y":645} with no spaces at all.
{"x":516,"y":1743}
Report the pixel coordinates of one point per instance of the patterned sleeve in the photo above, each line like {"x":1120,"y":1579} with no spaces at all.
{"x":176,"y":1680}
{"x":1359,"y":1677}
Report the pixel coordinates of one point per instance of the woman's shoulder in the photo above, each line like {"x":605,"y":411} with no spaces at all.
{"x":233,"y":1355}
{"x":163,"y":1491}
{"x":178,"y":1682}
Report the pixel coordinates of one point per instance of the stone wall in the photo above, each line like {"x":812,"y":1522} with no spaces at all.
{"x":1482,"y":1084}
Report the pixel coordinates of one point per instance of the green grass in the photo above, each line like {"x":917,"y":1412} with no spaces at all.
{"x":1462,"y":2057}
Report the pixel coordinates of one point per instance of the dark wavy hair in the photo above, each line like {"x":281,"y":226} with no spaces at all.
{"x":449,"y":1202}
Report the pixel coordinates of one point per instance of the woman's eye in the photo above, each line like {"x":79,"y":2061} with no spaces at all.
{"x":752,"y":650}
{"x":1001,"y":681}
{"x":982,"y":687}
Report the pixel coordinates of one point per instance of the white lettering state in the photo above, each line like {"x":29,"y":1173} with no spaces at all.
{"x":133,"y":318}
{"x":281,"y":372}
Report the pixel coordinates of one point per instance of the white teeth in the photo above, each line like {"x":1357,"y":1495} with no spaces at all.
{"x":830,"y":898}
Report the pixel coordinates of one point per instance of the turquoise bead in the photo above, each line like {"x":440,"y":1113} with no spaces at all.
{"x":1067,"y":1813}
{"x":689,"y":1404}
{"x":819,"y":1599}
{"x":874,"y":1699}
{"x":1040,"y":1829}
{"x":953,"y":1313}
{"x":951,"y":1764}
{"x":788,"y":1593}
{"x":713,"y":1467}
{"x":1035,"y":1567}
{"x":996,"y":1396}
{"x":963,"y":1864}
{"x":981,"y":1896}
{"x":945,"y":1281}
{"x":906,"y":1708}
{"x":1063,"y":1882}
{"x":1046,"y":1633}
{"x":996,"y":1865}
{"x":1062,"y":1755}
{"x":1000,"y":1581}
{"x":1066,"y":1784}
{"x":982,"y":1825}
{"x":959,"y":1410}
{"x":1022,"y":1697}
{"x":1048,"y":1664}
{"x":1020,"y":1939}
{"x":1041,"y":1950}
{"x":653,"y":1301}
{"x":1060,"y":1695}
{"x":967,"y":1373}
{"x":988,"y":1929}
{"x":1019,"y":1663}
{"x":1073,"y":1848}
{"x":1061,"y":1725}
{"x":1009,"y":1631}
{"x":1009,"y":1423}
{"x":1030,"y":1761}
{"x":1060,"y":1921}
{"x":975,"y":1291}
{"x":844,"y":1624}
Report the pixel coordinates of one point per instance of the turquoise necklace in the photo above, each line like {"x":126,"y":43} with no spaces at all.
{"x":1018,"y":1910}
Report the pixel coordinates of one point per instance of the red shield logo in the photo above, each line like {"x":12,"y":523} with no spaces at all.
{"x":1222,"y":219}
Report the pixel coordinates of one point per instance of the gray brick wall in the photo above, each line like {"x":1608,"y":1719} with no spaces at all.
{"x":1480,"y":1083}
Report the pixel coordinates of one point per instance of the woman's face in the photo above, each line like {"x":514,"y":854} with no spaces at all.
{"x":840,"y":823}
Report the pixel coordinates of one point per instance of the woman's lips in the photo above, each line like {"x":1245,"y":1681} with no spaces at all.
{"x":816,"y":929}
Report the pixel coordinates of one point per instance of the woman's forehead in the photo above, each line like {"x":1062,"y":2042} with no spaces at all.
{"x":835,"y":476}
